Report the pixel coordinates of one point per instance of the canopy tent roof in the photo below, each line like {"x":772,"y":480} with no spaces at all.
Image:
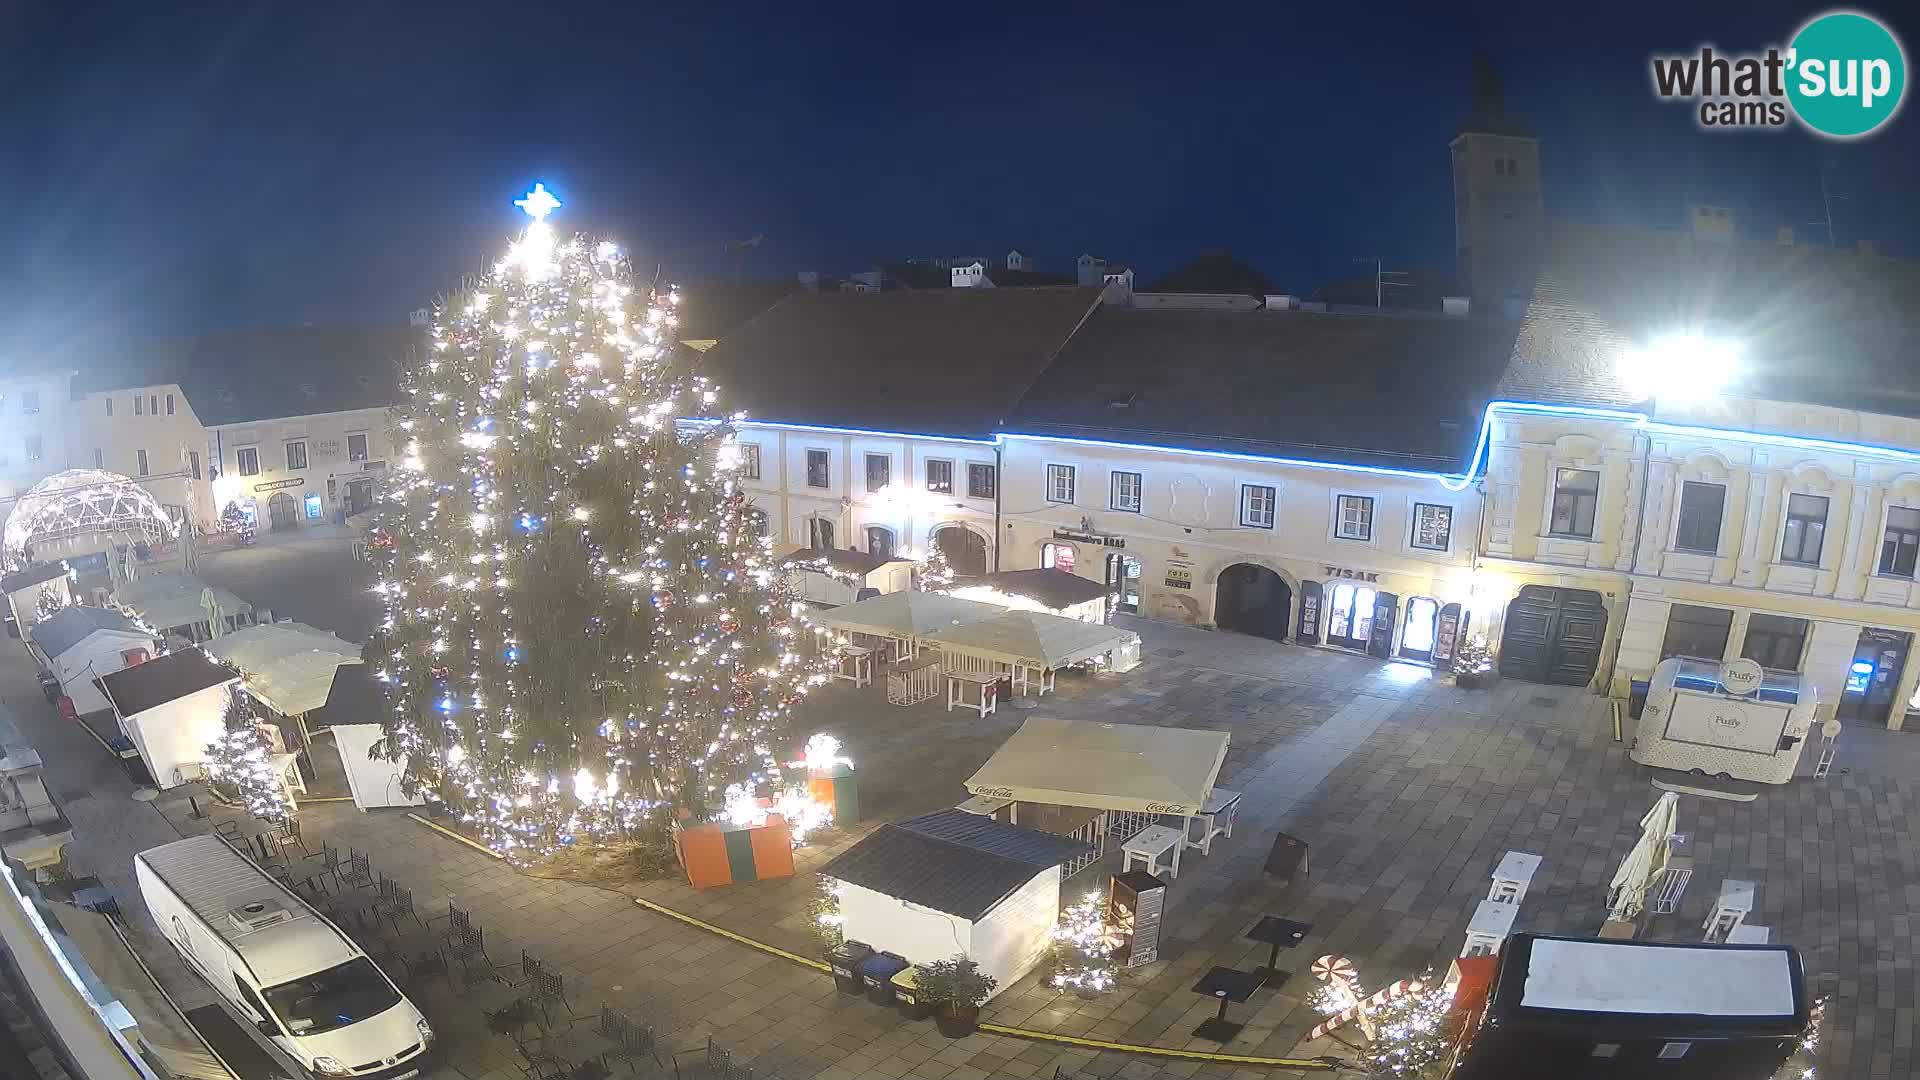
{"x":80,"y":501}
{"x":845,"y":560}
{"x":168,"y":600}
{"x":1032,"y":637}
{"x":1049,"y":586}
{"x":906,"y":614}
{"x":289,"y":666}
{"x":1110,"y":766}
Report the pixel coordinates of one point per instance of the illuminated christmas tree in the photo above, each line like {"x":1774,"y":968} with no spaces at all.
{"x":934,"y":572}
{"x":240,"y":763}
{"x":583,"y":625}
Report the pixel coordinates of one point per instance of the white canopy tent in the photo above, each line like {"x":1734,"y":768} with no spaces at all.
{"x":175,"y":601}
{"x":289,"y":666}
{"x":905,"y":617}
{"x":1032,"y":645}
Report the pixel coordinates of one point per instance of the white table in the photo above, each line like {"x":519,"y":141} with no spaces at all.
{"x":1487,"y":931}
{"x":1730,"y":910}
{"x":1512,"y":876}
{"x":854,"y":663}
{"x":1150,"y":845}
{"x":986,"y":806}
{"x":1223,"y":803}
{"x":985,"y":691}
{"x":1026,"y":678}
{"x":1748,"y":934}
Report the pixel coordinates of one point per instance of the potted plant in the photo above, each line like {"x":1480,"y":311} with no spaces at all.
{"x":956,"y":989}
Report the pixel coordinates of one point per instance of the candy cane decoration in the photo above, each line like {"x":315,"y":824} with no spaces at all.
{"x":1399,"y":989}
{"x":1338,"y":971}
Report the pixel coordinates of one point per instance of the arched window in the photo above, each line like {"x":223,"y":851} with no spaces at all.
{"x":880,"y":541}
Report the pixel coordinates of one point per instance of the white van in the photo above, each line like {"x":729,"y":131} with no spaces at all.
{"x":280,"y":964}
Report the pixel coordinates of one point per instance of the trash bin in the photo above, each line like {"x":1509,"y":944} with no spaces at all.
{"x":845,"y":961}
{"x":878,"y":971}
{"x":906,"y":995}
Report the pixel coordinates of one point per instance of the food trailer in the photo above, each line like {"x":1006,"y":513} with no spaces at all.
{"x":1734,"y":720}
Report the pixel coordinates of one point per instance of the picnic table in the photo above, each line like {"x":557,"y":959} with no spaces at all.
{"x":985,"y":691}
{"x":1151,"y":844}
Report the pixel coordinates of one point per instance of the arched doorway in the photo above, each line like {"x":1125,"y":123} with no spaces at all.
{"x":1254,"y":600}
{"x":281,"y":512}
{"x":1423,"y":627}
{"x":1553,"y":635}
{"x":966,"y":550}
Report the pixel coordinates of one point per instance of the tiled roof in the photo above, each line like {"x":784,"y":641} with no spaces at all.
{"x":935,"y":362}
{"x":1404,"y":391}
{"x":951,"y":861}
{"x":1813,"y":325}
{"x":244,"y":375}
{"x":167,"y":678}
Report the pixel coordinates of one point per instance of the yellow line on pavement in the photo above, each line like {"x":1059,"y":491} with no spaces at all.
{"x":481,"y":848}
{"x":1001,"y":1029}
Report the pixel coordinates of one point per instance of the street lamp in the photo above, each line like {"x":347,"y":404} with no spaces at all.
{"x":1680,"y":367}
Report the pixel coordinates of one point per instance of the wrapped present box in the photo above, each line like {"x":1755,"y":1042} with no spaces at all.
{"x":838,"y":788}
{"x":721,"y":854}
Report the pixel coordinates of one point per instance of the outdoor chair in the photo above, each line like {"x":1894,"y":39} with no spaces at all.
{"x":546,"y":988}
{"x":329,"y":860}
{"x":395,"y":903}
{"x":286,"y":832}
{"x":716,"y":1061}
{"x":418,"y":968}
{"x":536,"y":1062}
{"x":455,"y":919}
{"x":630,"y":1039}
{"x":467,"y":943}
{"x":355,"y":873}
{"x":229,"y":830}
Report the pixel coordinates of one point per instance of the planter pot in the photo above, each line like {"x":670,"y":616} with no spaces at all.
{"x":957,"y":1022}
{"x":1474,"y":680}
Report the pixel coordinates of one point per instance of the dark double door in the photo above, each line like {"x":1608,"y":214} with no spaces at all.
{"x":1553,"y":635}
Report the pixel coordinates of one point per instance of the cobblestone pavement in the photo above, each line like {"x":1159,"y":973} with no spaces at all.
{"x":1409,"y":792}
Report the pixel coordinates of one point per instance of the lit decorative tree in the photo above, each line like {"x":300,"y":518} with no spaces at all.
{"x":241,"y":760}
{"x":582,"y":623}
{"x":935,"y":572}
{"x":1083,"y":944}
{"x":1415,"y":1035}
{"x":50,"y":602}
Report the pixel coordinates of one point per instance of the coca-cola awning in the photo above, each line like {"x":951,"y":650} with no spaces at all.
{"x":1156,"y":770}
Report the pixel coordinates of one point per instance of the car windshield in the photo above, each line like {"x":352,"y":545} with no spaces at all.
{"x":332,"y":998}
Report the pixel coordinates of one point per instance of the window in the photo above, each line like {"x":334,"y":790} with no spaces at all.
{"x":311,"y":504}
{"x":1775,"y":641}
{"x":1432,"y":526}
{"x":819,"y":534}
{"x":248,"y":460}
{"x":99,"y":458}
{"x":879,"y":542}
{"x":153,"y":404}
{"x":109,"y":405}
{"x":33,"y":448}
{"x":1700,"y":512}
{"x":1697,"y":631}
{"x":332,"y":998}
{"x":750,"y":461}
{"x":817,"y":469}
{"x":357,"y":447}
{"x":940,"y":476}
{"x":754,"y":521}
{"x":1355,"y":519}
{"x":1126,"y":492}
{"x":139,"y":405}
{"x":193,"y":463}
{"x":1576,"y":494}
{"x":296,"y":455}
{"x":169,"y":404}
{"x":1060,"y":483}
{"x":251,"y":999}
{"x":1902,"y":540}
{"x":982,"y":483}
{"x":29,"y":402}
{"x":1256,"y":506}
{"x":879,"y":471}
{"x":1806,"y":529}
{"x":140,"y":461}
{"x":1056,"y":557}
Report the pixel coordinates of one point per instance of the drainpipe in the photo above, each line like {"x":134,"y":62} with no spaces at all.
{"x":1645,"y":443}
{"x":999,"y":481}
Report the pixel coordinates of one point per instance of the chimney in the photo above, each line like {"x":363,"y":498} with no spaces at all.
{"x":810,"y":280}
{"x":971,"y":275}
{"x":1712,"y":224}
{"x":1783,"y":236}
{"x":1090,"y":270}
{"x":1280,"y":302}
{"x":1454,"y":305}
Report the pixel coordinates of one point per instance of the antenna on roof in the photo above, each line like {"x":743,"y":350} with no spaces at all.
{"x":1381,"y":279}
{"x":1827,"y":196}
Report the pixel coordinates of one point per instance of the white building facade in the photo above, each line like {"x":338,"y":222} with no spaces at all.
{"x":301,"y":471}
{"x":152,"y":435}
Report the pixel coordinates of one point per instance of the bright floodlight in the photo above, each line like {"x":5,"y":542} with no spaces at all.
{"x":1680,"y":367}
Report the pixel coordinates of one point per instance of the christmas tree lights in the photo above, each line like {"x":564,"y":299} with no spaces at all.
{"x":1083,"y":945}
{"x":242,"y":759}
{"x":583,"y":626}
{"x":935,"y":573}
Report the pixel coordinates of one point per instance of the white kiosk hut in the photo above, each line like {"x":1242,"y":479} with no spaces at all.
{"x":81,"y":644}
{"x":289,"y":668}
{"x":352,"y":713}
{"x":171,"y":709}
{"x":1104,"y":784}
{"x":953,"y":882}
{"x":1733,"y":720}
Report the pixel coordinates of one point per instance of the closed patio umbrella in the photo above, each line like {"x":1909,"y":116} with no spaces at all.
{"x":1627,"y":894}
{"x":216,"y":623}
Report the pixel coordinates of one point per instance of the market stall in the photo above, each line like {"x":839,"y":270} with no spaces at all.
{"x":954,"y":882}
{"x":1030,"y":646}
{"x":1131,"y":775}
{"x":839,"y":576}
{"x":289,"y":668}
{"x":351,"y":718}
{"x":80,"y":644}
{"x":171,"y":708}
{"x":183,"y":605}
{"x":1050,"y":590}
{"x":1734,"y":720}
{"x":904,"y":619}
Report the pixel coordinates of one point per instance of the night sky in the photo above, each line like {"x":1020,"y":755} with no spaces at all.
{"x":171,"y":168}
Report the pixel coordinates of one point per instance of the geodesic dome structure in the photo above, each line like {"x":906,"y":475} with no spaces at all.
{"x":81,"y":501}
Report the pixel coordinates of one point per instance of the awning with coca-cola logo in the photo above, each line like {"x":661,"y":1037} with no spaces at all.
{"x":1155,"y":770}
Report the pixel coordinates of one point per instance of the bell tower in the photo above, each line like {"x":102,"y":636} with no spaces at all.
{"x":1499,"y":216}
